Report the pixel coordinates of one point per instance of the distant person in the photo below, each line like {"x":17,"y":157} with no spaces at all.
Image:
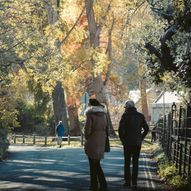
{"x":95,"y":136}
{"x":132,"y":130}
{"x":153,"y":135}
{"x":60,"y":133}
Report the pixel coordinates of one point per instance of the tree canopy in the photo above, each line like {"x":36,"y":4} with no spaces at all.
{"x":169,"y":53}
{"x":80,"y":43}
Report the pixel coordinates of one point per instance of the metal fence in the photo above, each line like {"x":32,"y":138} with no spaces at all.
{"x":174,"y":134}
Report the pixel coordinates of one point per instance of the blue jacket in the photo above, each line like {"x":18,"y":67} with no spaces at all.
{"x":60,"y":130}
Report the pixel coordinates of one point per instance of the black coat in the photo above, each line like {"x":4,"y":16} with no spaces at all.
{"x":132,"y":128}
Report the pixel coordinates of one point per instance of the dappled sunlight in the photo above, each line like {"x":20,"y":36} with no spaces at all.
{"x":67,"y":168}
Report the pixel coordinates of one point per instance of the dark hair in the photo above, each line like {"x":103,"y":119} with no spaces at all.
{"x":95,"y":102}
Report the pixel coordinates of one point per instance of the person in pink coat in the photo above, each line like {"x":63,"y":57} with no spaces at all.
{"x":95,"y":136}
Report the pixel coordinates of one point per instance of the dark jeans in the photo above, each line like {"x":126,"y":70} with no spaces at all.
{"x":96,"y":174}
{"x":131,"y":152}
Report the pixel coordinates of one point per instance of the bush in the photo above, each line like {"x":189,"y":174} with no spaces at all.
{"x":169,"y":173}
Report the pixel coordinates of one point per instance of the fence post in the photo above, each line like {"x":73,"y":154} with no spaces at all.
{"x":180,"y":159}
{"x":174,"y":152}
{"x":189,"y":161}
{"x":82,"y":139}
{"x":45,"y":143}
{"x":68,"y":139}
{"x":177,"y":147}
{"x":34,"y":141}
{"x":23,"y":139}
{"x":15,"y":139}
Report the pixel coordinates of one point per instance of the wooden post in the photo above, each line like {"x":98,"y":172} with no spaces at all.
{"x":68,"y":139}
{"x":82,"y":139}
{"x":34,"y":141}
{"x":23,"y":139}
{"x":45,"y":141}
{"x":15,"y":140}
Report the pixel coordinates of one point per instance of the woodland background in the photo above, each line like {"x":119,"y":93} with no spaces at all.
{"x":53,"y":51}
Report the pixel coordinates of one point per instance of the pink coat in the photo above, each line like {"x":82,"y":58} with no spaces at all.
{"x":95,"y":132}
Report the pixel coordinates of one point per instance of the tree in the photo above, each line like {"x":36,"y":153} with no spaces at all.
{"x":170,"y":55}
{"x":58,"y":94}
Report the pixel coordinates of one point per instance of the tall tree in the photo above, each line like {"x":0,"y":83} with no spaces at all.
{"x":58,"y":95}
{"x":169,"y":52}
{"x":95,"y":84}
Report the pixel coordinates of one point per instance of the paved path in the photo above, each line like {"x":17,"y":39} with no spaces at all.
{"x":66,"y":169}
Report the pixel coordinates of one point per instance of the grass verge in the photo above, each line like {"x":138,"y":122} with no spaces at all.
{"x":168,"y":172}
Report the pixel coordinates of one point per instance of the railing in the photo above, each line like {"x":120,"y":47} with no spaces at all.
{"x":51,"y":140}
{"x":174,"y":134}
{"x":43,"y":140}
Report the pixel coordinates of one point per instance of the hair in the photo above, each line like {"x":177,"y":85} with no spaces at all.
{"x":60,"y":122}
{"x":129,"y":104}
{"x":95,"y":102}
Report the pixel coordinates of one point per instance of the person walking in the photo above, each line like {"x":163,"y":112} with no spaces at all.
{"x":132,"y":130}
{"x":60,"y":133}
{"x":95,"y":138}
{"x":153,"y":134}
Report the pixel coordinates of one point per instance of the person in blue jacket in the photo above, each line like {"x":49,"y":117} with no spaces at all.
{"x":60,"y":133}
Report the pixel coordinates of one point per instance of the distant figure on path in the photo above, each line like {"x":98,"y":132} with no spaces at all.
{"x":95,"y":137}
{"x":153,"y":135}
{"x":59,"y":133}
{"x":132,"y":130}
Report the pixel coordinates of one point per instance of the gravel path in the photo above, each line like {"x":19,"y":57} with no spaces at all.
{"x":64,"y":169}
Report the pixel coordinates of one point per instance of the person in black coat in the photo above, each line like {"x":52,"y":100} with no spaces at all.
{"x":132,"y":130}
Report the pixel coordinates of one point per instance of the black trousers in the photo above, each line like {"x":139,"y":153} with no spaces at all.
{"x":96,"y":174}
{"x":131,"y":153}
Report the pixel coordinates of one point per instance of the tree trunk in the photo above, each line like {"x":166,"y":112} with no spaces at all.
{"x":59,"y":105}
{"x":95,"y":85}
{"x":144,"y":104}
{"x":73,"y":116}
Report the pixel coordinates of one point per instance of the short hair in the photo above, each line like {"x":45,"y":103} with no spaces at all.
{"x":129,"y":104}
{"x":60,"y":122}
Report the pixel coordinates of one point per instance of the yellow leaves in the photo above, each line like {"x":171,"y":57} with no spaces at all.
{"x":101,"y":61}
{"x":99,"y":12}
{"x":168,"y":77}
{"x":80,"y":55}
{"x":179,"y":5}
{"x":9,"y":117}
{"x":57,"y":31}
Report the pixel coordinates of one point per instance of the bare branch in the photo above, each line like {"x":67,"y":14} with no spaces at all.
{"x":153,"y":50}
{"x":69,"y":32}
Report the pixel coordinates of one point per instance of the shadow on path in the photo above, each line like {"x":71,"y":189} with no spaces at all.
{"x":43,"y":168}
